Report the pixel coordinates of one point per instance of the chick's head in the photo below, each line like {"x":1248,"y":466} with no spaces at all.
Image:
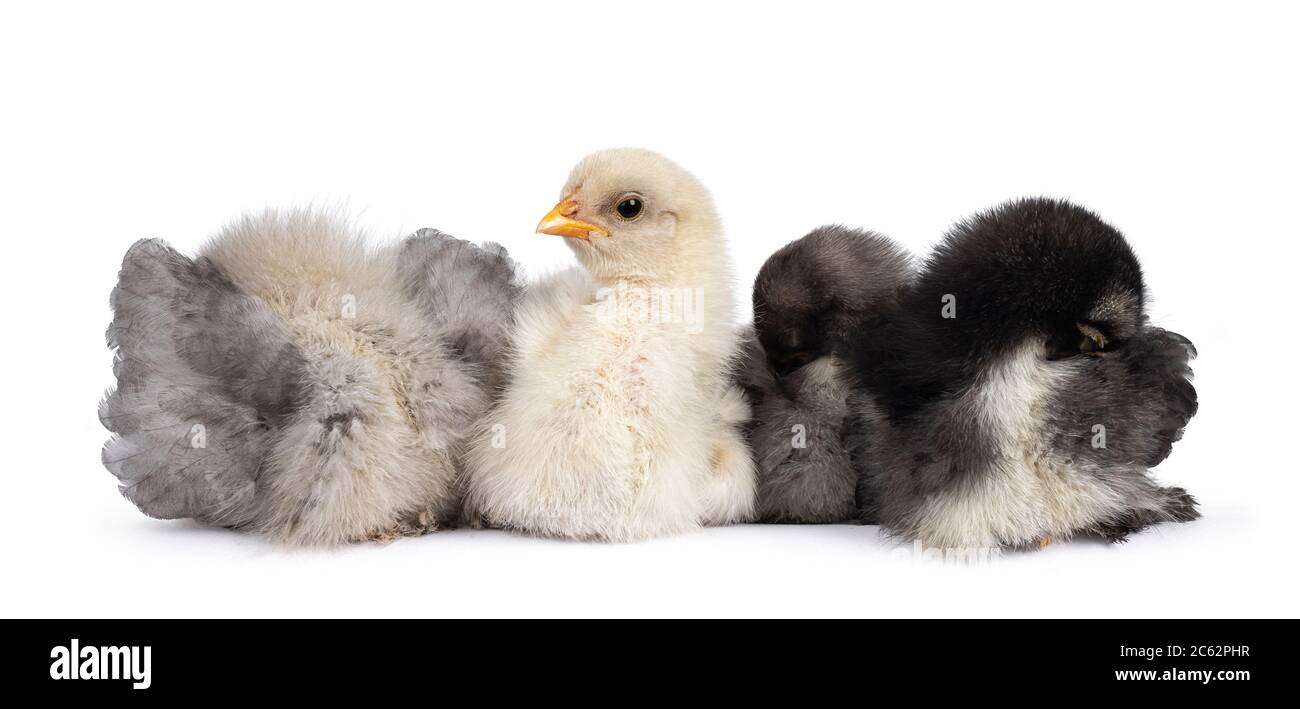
{"x":1036,"y":267}
{"x":632,"y":213}
{"x":814,"y":295}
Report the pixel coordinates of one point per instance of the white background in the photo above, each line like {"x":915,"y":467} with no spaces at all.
{"x":1176,"y":121}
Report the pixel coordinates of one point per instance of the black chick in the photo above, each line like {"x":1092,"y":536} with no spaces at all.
{"x":810,"y":298}
{"x":1020,"y":393}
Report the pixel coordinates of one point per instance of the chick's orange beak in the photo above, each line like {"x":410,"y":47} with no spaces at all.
{"x":560,"y":222}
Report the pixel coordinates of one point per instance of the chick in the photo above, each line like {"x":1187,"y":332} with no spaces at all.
{"x":293,"y":382}
{"x":619,"y":422}
{"x":810,"y":299}
{"x":1020,"y":394}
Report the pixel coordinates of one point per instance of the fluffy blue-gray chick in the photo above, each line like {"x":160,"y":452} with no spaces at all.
{"x":294,"y":381}
{"x":812,"y":298}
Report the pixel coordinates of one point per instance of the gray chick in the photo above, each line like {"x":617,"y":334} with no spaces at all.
{"x":1020,"y":394}
{"x":295,"y":382}
{"x":812,"y":298}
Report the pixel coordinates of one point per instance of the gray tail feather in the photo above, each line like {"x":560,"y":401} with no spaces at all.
{"x":1168,"y":357}
{"x":203,"y":372}
{"x":469,"y":290}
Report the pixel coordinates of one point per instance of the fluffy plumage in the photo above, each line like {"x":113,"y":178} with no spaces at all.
{"x":810,"y":298}
{"x":619,"y":422}
{"x":1036,"y":410}
{"x":294,"y":382}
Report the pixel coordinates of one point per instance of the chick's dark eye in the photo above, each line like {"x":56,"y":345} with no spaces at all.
{"x":630,"y":207}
